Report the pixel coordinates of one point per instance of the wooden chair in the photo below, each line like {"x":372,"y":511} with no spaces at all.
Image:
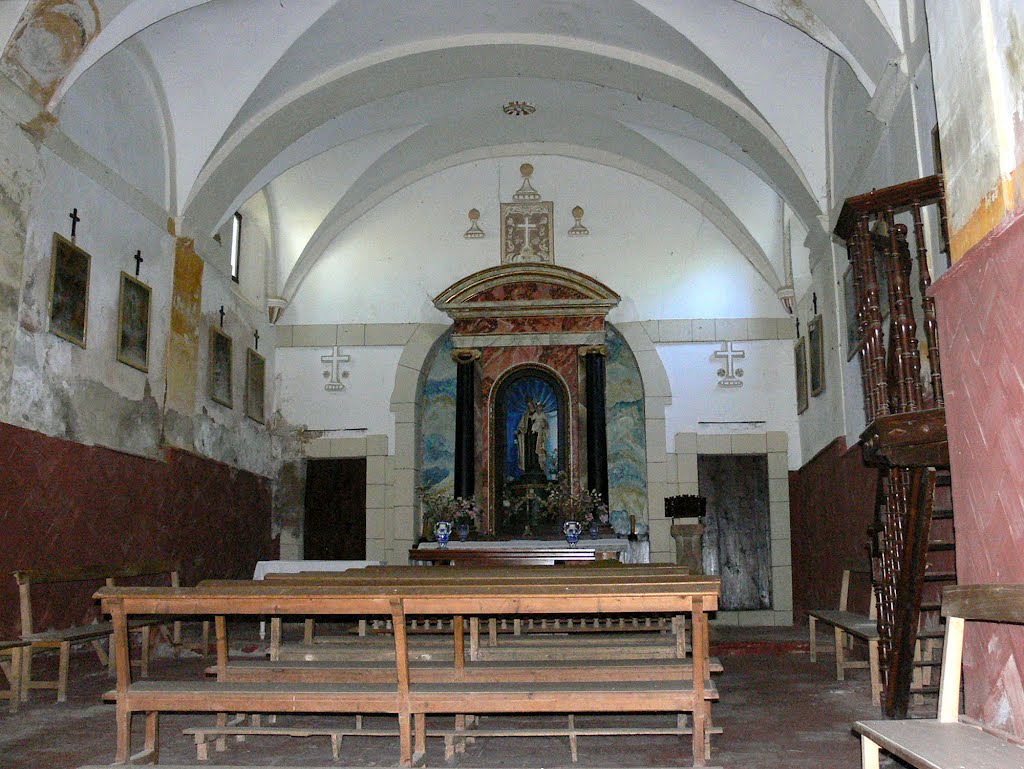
{"x":847,"y":626}
{"x":951,"y":741}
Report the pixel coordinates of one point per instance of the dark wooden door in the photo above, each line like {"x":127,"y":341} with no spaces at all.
{"x":737,"y":533}
{"x":335,"y":528}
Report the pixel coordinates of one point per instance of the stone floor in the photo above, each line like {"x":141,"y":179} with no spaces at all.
{"x":777,"y":710}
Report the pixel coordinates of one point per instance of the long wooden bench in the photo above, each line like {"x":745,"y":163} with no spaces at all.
{"x":10,"y":663}
{"x":848,"y":625}
{"x":950,"y":741}
{"x":413,"y":701}
{"x":94,"y":632}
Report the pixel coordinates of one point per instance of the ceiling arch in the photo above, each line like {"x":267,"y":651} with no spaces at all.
{"x":254,"y":143}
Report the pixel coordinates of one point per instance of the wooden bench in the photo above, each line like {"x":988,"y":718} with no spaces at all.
{"x":63,"y":638}
{"x":11,"y":664}
{"x":950,"y":741}
{"x":847,"y":626}
{"x":510,"y":556}
{"x":412,"y":700}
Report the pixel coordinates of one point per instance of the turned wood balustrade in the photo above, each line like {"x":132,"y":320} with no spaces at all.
{"x":885,"y":233}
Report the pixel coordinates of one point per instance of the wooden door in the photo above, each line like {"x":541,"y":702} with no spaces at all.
{"x":335,"y":523}
{"x":737,"y":532}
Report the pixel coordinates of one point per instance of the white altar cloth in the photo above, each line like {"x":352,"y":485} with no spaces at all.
{"x":631,"y":552}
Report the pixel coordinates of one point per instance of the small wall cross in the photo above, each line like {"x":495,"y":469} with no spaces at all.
{"x":730,"y":374}
{"x":221,"y":313}
{"x":138,"y":261}
{"x":256,"y":336}
{"x":335,"y":375}
{"x":75,"y":219}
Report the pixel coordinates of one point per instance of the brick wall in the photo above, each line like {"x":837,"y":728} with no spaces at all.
{"x":832,"y":500}
{"x":981,"y":318}
{"x":64,"y":504}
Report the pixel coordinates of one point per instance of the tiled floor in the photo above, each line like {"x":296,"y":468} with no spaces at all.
{"x":777,"y":710}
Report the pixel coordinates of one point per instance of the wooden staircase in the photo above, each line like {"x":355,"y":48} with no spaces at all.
{"x":912,"y":541}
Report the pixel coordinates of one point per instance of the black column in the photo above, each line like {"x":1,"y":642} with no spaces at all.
{"x":465,"y":422}
{"x":597,"y":435}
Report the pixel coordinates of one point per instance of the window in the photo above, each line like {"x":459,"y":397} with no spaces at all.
{"x":236,"y":245}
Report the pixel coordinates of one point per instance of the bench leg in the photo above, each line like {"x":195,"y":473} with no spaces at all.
{"x":146,"y":639}
{"x":840,"y":657}
{"x":405,"y":739}
{"x":222,"y":743}
{"x":62,"y":671}
{"x":307,"y":634}
{"x":421,"y":734}
{"x":124,"y":733}
{"x":26,"y":672}
{"x":336,"y":746}
{"x":152,"y":748}
{"x":868,"y":753}
{"x":13,"y":673}
{"x":812,"y":624}
{"x":206,"y":637}
{"x":875,"y":673}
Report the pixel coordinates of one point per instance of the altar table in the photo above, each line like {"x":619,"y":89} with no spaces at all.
{"x":628,"y":552}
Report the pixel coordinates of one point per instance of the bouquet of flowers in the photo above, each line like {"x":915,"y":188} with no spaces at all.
{"x":583,"y":506}
{"x":438,"y":506}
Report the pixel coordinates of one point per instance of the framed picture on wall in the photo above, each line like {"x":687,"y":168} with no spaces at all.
{"x":852,"y":322}
{"x":133,"y":322}
{"x":255,"y":381}
{"x":800,"y":362}
{"x":220,"y":367}
{"x":69,"y":291}
{"x":816,"y":356}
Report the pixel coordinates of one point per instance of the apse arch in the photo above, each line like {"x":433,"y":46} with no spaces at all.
{"x":676,"y":179}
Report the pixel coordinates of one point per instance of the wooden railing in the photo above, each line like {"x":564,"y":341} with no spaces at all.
{"x":885,"y":233}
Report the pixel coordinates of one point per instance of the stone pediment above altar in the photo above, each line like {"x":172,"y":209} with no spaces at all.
{"x":502,"y":305}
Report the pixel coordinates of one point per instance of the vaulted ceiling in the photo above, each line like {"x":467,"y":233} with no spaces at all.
{"x":701,"y":97}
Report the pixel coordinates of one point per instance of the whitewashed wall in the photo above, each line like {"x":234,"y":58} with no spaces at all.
{"x":659,"y":253}
{"x":766,"y":397}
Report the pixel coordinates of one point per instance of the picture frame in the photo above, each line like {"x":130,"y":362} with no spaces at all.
{"x":220,"y":384}
{"x":255,"y":384}
{"x":816,"y":356}
{"x":133,"y":322}
{"x":852,"y":315}
{"x":69,"y":291}
{"x":800,"y":363}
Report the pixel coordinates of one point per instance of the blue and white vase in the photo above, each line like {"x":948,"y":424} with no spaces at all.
{"x":594,"y":529}
{"x":443,"y":532}
{"x":463,"y":532}
{"x":572,"y":531}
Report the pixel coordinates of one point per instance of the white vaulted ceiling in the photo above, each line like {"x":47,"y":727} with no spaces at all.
{"x":330,"y":106}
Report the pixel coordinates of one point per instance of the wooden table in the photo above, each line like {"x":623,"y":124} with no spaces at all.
{"x":539,"y":594}
{"x":548,"y":556}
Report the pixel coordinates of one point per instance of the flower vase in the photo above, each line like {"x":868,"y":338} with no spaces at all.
{"x":594,"y":529}
{"x":442,"y":533}
{"x":572,"y":531}
{"x":463,"y":532}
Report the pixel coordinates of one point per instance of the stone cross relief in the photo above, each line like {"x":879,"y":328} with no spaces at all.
{"x":730,"y":374}
{"x":334,"y":374}
{"x":526,"y":225}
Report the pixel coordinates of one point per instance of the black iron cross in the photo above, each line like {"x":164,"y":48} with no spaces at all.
{"x":75,"y":219}
{"x":222,"y":316}
{"x":798,"y":328}
{"x":138,"y":261}
{"x":256,"y":336}
{"x":814,"y":301}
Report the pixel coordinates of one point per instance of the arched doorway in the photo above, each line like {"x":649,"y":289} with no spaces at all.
{"x":530,"y":446}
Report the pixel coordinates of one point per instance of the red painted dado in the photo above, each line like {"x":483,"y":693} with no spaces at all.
{"x":63,"y":504}
{"x":832,"y":500}
{"x":980,"y":304}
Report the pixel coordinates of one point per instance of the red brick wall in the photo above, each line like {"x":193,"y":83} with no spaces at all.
{"x":981,"y":319}
{"x":63,"y":504}
{"x":832,"y":500}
